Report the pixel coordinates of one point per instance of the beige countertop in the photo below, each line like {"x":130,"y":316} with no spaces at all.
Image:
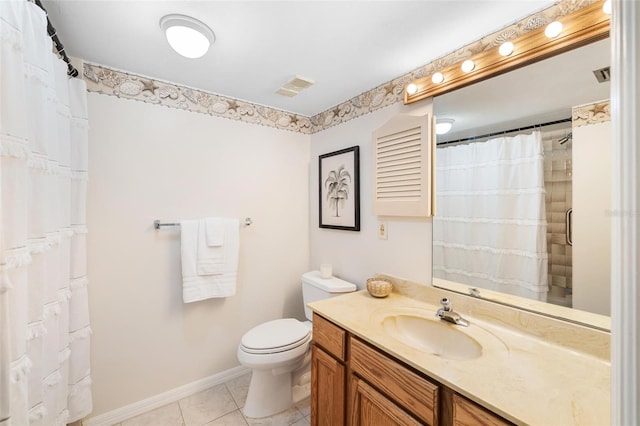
{"x":520,"y":375}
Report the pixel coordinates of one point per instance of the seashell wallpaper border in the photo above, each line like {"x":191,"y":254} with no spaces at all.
{"x":104,"y":80}
{"x":584,"y":115}
{"x":101,"y":79}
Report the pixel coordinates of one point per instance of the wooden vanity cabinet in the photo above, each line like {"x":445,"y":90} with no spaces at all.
{"x":353,"y":383}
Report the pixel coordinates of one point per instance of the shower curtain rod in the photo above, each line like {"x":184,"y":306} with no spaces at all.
{"x":71,"y":70}
{"x":502,"y":132}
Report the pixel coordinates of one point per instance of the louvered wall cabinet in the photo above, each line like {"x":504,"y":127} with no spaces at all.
{"x":404,"y":167}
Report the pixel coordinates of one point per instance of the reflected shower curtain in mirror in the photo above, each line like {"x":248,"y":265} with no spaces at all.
{"x":44,"y":318}
{"x":490,"y":231}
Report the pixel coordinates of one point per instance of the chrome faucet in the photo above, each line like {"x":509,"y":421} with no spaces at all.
{"x":446,"y":313}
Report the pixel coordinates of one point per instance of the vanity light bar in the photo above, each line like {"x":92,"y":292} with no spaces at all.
{"x":582,"y":27}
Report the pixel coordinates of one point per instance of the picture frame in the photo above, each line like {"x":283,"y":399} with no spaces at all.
{"x":339,"y":189}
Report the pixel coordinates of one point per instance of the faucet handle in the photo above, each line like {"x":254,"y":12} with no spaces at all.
{"x":446,"y":303}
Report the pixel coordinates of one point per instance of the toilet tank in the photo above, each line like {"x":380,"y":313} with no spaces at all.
{"x":316,"y":288}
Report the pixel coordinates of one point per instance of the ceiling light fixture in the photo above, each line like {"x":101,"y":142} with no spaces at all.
{"x":506,"y":48}
{"x":553,"y":30}
{"x":187,"y":36}
{"x":468,"y":65}
{"x":437,"y":78}
{"x":443,"y":125}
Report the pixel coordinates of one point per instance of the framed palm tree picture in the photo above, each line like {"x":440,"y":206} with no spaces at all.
{"x":340,"y":189}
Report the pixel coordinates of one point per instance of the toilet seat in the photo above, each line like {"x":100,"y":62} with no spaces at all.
{"x":276,"y":336}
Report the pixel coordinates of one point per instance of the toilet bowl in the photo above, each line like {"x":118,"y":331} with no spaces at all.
{"x":274,"y":350}
{"x":279,"y":353}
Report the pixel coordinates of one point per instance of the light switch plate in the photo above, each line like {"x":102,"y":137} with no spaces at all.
{"x":382,"y":230}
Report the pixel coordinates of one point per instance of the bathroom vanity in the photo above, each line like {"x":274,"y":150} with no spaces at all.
{"x":391,"y":362}
{"x":405,"y":396}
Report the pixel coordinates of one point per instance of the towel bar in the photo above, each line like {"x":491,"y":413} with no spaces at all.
{"x":157,"y":224}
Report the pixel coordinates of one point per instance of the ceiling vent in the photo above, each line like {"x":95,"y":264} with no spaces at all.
{"x":286,"y":92}
{"x":603,"y":74}
{"x":294,"y":86}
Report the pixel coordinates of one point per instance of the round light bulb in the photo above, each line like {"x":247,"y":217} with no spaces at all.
{"x":412,"y":89}
{"x":187,"y":41}
{"x":443,"y":125}
{"x":468,"y":65}
{"x":506,"y":48}
{"x":437,"y":78}
{"x":607,"y":7}
{"x":553,"y":30}
{"x":187,"y":36}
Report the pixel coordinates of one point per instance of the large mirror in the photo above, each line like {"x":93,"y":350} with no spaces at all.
{"x":521,"y":203}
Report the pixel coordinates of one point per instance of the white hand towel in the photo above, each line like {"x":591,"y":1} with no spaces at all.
{"x":210,"y":258}
{"x":196,"y":287}
{"x":214,"y":231}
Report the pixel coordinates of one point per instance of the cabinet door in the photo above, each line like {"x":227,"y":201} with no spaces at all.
{"x":327,"y":389}
{"x":404,"y":139}
{"x":467,"y":413}
{"x":409,"y":390}
{"x":371,"y":408}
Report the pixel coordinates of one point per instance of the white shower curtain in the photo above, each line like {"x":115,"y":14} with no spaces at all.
{"x":490,"y":230}
{"x":44,"y":318}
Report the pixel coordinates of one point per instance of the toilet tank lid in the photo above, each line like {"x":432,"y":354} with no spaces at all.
{"x":331,"y":285}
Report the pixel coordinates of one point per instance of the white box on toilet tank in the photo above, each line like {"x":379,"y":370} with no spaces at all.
{"x":314,"y":287}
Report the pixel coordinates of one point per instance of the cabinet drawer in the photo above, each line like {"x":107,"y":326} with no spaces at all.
{"x":331,"y":337}
{"x":467,"y":413}
{"x":409,"y":390}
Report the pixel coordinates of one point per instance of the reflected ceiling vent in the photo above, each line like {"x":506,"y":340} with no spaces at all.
{"x":602,"y":75}
{"x":286,"y":92}
{"x":294,"y":86}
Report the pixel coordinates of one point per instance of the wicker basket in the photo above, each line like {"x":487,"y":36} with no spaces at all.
{"x":379,"y":287}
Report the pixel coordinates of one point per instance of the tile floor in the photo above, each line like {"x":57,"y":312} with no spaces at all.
{"x":219,"y":406}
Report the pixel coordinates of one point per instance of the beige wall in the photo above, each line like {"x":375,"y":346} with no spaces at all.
{"x":592,"y":182}
{"x":355,"y":256}
{"x":150,"y":162}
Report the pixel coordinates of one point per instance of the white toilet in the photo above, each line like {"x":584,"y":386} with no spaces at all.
{"x":279,"y":352}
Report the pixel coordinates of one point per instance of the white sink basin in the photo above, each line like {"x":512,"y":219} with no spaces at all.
{"x":432,"y":335}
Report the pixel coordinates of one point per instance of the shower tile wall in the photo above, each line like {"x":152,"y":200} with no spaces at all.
{"x":557,"y":177}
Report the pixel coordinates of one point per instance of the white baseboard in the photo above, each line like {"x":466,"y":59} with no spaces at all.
{"x":128,"y":411}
